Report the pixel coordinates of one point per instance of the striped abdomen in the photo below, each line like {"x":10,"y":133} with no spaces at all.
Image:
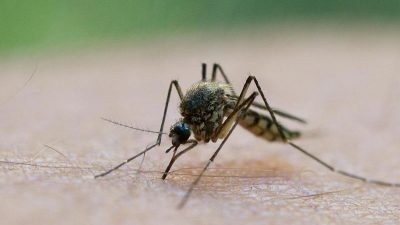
{"x":263,"y":126}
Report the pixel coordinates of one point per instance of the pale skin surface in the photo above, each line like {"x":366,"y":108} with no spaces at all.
{"x":345,"y":84}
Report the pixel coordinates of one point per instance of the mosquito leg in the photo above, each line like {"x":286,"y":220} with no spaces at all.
{"x":179,"y":90}
{"x":341,"y":172}
{"x":280,"y":113}
{"x":302,"y":150}
{"x":158,"y":142}
{"x":238,"y":110}
{"x":176,"y":156}
{"x":229,"y":121}
{"x":203,"y":72}
{"x":217,"y":67}
{"x":267,"y":106}
{"x":224,"y":128}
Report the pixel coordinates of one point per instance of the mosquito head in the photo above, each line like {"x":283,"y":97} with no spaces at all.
{"x":180,"y":133}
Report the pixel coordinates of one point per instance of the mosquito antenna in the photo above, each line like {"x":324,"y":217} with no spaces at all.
{"x":127,"y":161}
{"x":130,"y":127}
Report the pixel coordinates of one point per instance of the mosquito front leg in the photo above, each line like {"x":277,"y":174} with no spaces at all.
{"x":238,"y":110}
{"x":179,"y":90}
{"x":173,"y":83}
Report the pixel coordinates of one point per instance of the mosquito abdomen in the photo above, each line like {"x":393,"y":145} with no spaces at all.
{"x":263,"y":126}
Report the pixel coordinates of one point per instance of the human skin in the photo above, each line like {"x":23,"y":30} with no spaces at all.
{"x":345,"y":83}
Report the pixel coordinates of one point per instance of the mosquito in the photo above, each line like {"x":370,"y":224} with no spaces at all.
{"x":211,"y":110}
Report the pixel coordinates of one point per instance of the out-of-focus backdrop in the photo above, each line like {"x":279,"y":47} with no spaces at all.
{"x":43,"y":24}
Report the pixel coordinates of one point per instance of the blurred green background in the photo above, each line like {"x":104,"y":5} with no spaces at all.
{"x":43,"y":24}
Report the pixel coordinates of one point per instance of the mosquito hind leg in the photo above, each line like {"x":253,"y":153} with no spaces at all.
{"x":266,"y":104}
{"x":302,"y":150}
{"x":217,"y":67}
{"x":174,"y":83}
{"x":341,"y":172}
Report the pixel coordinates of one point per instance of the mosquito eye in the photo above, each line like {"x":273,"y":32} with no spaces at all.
{"x":183,"y":131}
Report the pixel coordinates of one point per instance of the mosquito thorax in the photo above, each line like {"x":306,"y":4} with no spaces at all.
{"x":203,"y":108}
{"x":179,"y":133}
